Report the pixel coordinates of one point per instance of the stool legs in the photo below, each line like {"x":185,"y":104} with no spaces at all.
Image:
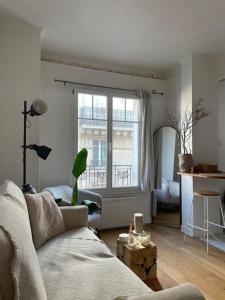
{"x":207,"y":223}
{"x":205,"y":228}
{"x":204,"y":212}
{"x":188,"y":221}
{"x":222,"y":213}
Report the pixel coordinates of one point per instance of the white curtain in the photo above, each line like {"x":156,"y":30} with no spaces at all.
{"x":147,"y":151}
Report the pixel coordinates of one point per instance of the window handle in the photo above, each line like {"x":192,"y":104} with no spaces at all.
{"x":110,"y":147}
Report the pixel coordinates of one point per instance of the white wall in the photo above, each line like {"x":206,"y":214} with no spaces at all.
{"x":220,"y":66}
{"x":204,"y":85}
{"x":198,"y":80}
{"x":57,"y":126}
{"x":198,"y":77}
{"x":186,"y":101}
{"x":186,"y":83}
{"x":19,"y":81}
{"x":173,"y":89}
{"x":220,"y":73}
{"x":221,"y":124}
{"x":220,"y":76}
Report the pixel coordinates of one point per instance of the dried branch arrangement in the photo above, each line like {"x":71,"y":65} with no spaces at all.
{"x":184,"y":123}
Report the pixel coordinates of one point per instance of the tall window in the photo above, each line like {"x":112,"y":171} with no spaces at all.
{"x":92,"y":134}
{"x":108,"y":127}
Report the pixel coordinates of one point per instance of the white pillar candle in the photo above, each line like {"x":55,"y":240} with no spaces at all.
{"x":123,"y":239}
{"x":138,"y":223}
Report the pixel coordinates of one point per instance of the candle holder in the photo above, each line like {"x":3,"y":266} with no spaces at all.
{"x":139,"y":240}
{"x":144,"y":238}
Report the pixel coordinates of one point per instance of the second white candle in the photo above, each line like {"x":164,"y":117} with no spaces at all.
{"x":138,"y":223}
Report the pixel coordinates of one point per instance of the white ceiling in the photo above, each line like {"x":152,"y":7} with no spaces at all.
{"x":148,"y":34}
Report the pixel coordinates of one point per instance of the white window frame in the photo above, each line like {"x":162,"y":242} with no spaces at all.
{"x":109,"y":93}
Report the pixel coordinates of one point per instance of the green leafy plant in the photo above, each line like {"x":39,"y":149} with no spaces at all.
{"x":79,"y":167}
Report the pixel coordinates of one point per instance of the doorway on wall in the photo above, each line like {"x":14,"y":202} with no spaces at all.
{"x":166,"y":194}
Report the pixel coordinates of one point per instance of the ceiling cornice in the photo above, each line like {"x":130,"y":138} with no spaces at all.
{"x":99,"y":67}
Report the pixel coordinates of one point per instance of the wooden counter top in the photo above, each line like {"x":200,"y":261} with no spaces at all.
{"x":204,"y":175}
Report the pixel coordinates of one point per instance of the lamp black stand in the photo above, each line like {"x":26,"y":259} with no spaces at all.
{"x":42,"y":151}
{"x":26,"y":188}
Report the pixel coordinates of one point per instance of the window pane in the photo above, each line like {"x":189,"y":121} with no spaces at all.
{"x":118,"y":109}
{"x":132,"y":110}
{"x":99,"y":107}
{"x":92,"y":135}
{"x":84,"y":106}
{"x":125,"y":154}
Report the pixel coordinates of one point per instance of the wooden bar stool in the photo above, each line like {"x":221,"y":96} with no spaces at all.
{"x":206,"y":196}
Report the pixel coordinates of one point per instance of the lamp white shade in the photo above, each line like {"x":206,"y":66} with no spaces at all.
{"x":38,"y":107}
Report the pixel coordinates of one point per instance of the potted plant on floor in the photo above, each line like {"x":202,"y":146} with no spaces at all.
{"x":184,"y":123}
{"x":79,"y":167}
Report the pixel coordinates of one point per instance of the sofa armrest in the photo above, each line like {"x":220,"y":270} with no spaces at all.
{"x":182,"y":292}
{"x":75,"y":216}
{"x":88,"y":195}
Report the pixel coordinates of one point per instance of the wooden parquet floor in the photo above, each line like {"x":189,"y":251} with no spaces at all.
{"x":179,"y":263}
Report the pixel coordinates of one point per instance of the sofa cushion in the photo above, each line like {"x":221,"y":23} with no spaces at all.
{"x":84,"y":268}
{"x":6,"y":255}
{"x":45,"y":217}
{"x":14,"y":220}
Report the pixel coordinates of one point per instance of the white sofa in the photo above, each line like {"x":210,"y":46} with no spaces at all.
{"x":74,"y":265}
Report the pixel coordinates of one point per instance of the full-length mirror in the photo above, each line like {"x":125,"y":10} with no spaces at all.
{"x":166,"y":195}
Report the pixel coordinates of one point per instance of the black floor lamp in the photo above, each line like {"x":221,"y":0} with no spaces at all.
{"x":38,"y":108}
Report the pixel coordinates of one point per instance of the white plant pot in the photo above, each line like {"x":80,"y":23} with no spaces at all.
{"x":185,"y":162}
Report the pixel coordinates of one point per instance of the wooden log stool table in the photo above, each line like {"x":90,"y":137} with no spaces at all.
{"x":140,"y":259}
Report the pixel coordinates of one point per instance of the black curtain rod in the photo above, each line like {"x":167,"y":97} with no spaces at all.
{"x":101,"y":86}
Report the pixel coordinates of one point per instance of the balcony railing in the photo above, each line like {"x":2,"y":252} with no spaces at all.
{"x":100,"y":113}
{"x":96,"y":177}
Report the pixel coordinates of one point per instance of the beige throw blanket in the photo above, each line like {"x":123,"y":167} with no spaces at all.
{"x":84,"y":269}
{"x":14,"y":220}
